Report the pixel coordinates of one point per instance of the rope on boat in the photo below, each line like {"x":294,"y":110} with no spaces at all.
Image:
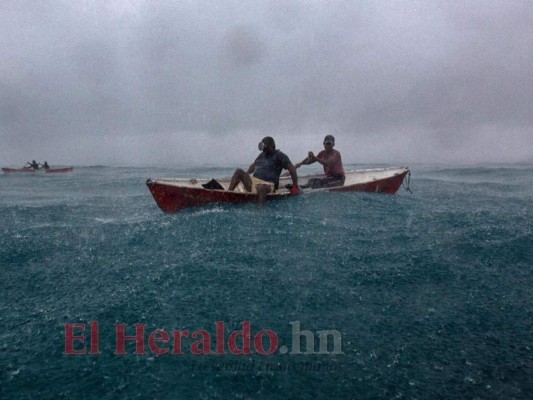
{"x":408,"y":179}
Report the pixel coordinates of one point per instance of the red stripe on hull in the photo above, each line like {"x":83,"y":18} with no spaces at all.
{"x":387,"y":186}
{"x":10,"y":170}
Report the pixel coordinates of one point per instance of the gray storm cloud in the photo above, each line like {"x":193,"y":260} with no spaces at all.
{"x":183,"y":82}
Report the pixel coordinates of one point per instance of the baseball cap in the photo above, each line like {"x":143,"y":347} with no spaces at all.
{"x":329,"y":139}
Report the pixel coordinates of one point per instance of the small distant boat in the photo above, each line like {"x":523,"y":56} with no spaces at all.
{"x":56,"y":170}
{"x":172,"y":195}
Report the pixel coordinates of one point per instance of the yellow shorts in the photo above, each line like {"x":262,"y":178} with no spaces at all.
{"x":255,"y":182}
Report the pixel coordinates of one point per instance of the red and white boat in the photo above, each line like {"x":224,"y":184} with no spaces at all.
{"x":56,"y":170}
{"x":172,"y":195}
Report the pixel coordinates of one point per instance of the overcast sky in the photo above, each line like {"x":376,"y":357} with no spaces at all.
{"x":175,"y":82}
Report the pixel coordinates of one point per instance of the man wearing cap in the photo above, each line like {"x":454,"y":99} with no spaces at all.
{"x":331,"y":161}
{"x":263,"y":174}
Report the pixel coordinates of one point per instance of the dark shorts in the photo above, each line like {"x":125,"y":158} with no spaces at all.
{"x":327,"y":182}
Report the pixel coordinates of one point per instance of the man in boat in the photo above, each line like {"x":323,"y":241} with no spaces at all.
{"x":32,"y":164}
{"x":263,"y":174}
{"x":331,"y":161}
{"x":45,"y":165}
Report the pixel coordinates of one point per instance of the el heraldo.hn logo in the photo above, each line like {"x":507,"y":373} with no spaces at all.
{"x":84,"y":339}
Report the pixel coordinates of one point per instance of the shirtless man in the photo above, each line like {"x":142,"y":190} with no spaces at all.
{"x":331,"y":161}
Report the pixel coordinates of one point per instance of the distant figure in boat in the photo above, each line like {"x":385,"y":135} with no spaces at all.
{"x":45,"y":165}
{"x":32,"y":164}
{"x":263,"y":174}
{"x":331,"y":161}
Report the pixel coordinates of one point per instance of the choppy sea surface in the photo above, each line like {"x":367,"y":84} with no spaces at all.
{"x":430,"y":293}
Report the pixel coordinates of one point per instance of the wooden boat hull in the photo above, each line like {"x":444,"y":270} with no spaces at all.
{"x":41,"y":170}
{"x":175,"y":198}
{"x":172,"y":195}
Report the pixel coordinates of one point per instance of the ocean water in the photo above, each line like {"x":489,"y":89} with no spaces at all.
{"x":428,"y":295}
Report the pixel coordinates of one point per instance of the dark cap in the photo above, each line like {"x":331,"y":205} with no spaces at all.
{"x":329,"y":138}
{"x":268,"y":141}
